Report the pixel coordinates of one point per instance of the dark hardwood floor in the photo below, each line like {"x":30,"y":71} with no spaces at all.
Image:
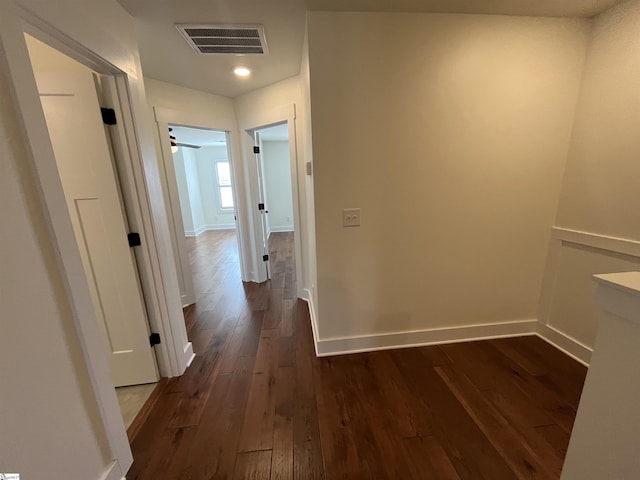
{"x":257,"y":404}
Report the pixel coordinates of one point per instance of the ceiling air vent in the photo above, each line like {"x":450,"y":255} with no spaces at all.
{"x":225,"y":39}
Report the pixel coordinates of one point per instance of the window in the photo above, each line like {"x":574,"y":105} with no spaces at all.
{"x":225,"y":193}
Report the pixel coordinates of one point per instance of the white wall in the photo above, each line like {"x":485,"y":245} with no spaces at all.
{"x":193,"y":187}
{"x":175,"y":97}
{"x":452,"y":140}
{"x":600,"y":189}
{"x":214,"y":217}
{"x":183,"y":191}
{"x":196,"y":180}
{"x":277,"y":172}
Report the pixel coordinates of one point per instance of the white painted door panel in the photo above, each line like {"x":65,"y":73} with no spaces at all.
{"x":263,"y":199}
{"x":86,"y":170}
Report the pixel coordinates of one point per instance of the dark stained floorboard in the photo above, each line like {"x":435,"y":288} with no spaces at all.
{"x":257,"y":403}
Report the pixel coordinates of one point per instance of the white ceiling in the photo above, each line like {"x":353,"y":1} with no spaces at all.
{"x":166,"y":56}
{"x":199,"y":136}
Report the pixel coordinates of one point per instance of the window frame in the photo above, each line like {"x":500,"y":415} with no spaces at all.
{"x":219,"y":187}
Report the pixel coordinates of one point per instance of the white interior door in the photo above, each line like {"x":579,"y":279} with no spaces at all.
{"x":262,"y":199}
{"x":77,"y":134}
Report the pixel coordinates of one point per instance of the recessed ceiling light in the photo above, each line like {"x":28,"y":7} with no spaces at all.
{"x":242,"y":71}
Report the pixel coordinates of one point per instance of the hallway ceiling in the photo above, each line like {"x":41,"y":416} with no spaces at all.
{"x":166,"y":56}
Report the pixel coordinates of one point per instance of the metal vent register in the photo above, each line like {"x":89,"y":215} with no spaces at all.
{"x":225,"y":39}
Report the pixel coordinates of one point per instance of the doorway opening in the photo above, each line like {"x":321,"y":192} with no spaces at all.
{"x":275,"y":192}
{"x":72,"y":96}
{"x":203,"y":206}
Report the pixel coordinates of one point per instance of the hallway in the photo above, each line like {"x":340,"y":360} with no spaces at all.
{"x":246,"y":406}
{"x":256,"y":402}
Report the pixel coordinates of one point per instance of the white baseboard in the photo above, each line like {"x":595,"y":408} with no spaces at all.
{"x":563,"y":342}
{"x":626,"y":246}
{"x":283,"y":228}
{"x":114,"y":472}
{"x":187,"y":357}
{"x":417,"y":338}
{"x":314,"y":319}
{"x":207,"y":228}
{"x":220,"y":226}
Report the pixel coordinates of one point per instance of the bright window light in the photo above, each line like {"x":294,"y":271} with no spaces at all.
{"x":225,"y":191}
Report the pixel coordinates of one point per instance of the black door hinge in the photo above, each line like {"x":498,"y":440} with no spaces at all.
{"x":265,"y":258}
{"x":108,"y":116}
{"x":261,"y":206}
{"x":256,"y":149}
{"x":134,"y":239}
{"x":154,"y":339}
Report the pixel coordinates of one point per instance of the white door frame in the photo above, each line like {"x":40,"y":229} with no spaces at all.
{"x":164,"y":117}
{"x":260,"y":120}
{"x":169,"y":353}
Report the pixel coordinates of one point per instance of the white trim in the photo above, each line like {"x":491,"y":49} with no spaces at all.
{"x":566,"y":344}
{"x":194,"y":119}
{"x":196,"y":232}
{"x":307,"y":297}
{"x":618,"y":294}
{"x":565,"y":238}
{"x":208,"y":228}
{"x":166,"y":116}
{"x":188,"y":355}
{"x":602,"y":242}
{"x":113,"y":472}
{"x":221,"y":226}
{"x":283,"y":228}
{"x":416,"y":338}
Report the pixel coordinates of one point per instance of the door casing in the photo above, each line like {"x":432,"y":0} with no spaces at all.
{"x":248,"y":126}
{"x":164,"y":117}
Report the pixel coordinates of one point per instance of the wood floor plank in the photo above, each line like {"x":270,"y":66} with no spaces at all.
{"x":215,"y":446}
{"x":503,"y":383}
{"x":429,"y":459}
{"x":338,"y":440}
{"x":513,"y":445}
{"x":371,"y":422}
{"x":466,"y":445}
{"x":419,"y":423}
{"x":307,"y":453}
{"x":253,"y":466}
{"x":257,"y":430}
{"x":282,"y":451}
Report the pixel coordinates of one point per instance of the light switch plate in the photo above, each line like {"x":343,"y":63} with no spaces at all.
{"x":351,"y":217}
